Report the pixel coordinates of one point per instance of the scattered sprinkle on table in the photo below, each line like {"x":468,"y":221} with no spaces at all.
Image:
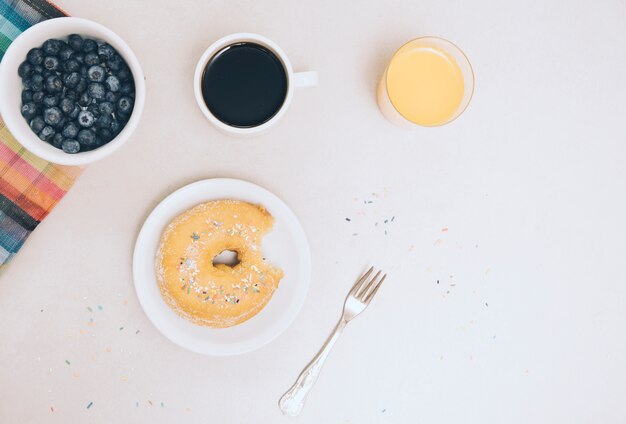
{"x":121,"y":328}
{"x":89,"y":405}
{"x":89,"y":309}
{"x":348,"y":219}
{"x":67,"y":362}
{"x":52,"y":409}
{"x":444,"y":229}
{"x":100,"y":307}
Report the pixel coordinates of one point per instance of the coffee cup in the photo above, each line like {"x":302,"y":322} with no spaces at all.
{"x":244,"y":84}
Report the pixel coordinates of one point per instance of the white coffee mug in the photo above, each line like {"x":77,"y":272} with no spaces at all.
{"x":294,"y":80}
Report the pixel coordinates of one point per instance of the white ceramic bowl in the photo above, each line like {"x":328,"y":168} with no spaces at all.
{"x":11,"y":87}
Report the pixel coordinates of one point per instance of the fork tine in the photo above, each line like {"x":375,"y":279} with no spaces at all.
{"x":367,"y":285}
{"x":371,"y":294}
{"x":360,"y":281}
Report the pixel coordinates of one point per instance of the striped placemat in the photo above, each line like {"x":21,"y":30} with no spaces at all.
{"x":30,"y":187}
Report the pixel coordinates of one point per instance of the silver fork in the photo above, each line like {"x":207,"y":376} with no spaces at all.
{"x":357,"y":300}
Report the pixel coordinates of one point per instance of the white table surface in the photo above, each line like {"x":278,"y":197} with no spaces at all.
{"x":527,"y":322}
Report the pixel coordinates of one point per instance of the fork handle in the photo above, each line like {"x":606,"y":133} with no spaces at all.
{"x":292,"y":402}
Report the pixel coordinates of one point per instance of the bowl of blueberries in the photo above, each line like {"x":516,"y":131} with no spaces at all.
{"x":72,"y":90}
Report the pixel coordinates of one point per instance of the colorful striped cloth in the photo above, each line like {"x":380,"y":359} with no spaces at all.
{"x":30,"y":187}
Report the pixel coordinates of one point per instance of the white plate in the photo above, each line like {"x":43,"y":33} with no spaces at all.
{"x":285,"y":246}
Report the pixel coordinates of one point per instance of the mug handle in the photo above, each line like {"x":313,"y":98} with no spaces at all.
{"x":305,"y":79}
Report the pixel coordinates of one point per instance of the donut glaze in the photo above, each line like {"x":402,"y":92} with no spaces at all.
{"x":216,"y":295}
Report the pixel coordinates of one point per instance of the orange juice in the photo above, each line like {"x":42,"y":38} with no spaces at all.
{"x":425,"y":84}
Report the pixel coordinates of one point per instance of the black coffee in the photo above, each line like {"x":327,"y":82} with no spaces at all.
{"x":244,"y":85}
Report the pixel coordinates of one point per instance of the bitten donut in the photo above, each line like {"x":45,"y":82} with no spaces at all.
{"x":213,"y":294}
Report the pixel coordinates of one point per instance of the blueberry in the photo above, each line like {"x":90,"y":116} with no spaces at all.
{"x":79,"y":57}
{"x":123,"y":118}
{"x":96,"y":91}
{"x":70,"y":130}
{"x":75,"y":112}
{"x":36,"y":82}
{"x":57,"y":140}
{"x":38,"y":96}
{"x":29,"y":110}
{"x":66,"y":105}
{"x":65,"y":53}
{"x":124,"y":74}
{"x":115,"y":62}
{"x":27,"y":83}
{"x":105,"y":134}
{"x":104,"y":121}
{"x":51,"y":100}
{"x":51,"y":47}
{"x":37,"y":69}
{"x":51,"y":63}
{"x":106,"y":51}
{"x":37,"y":124}
{"x":106,"y":108}
{"x":91,"y":59}
{"x":25,"y":69}
{"x":47,"y":133}
{"x":54,"y":84}
{"x":27,"y":96}
{"x":35,"y":56}
{"x":96,"y":73}
{"x":89,"y":45}
{"x":85,"y":99}
{"x":71,"y":95}
{"x":94,"y":109}
{"x":111,"y":97}
{"x":75,"y":41}
{"x":52,"y":115}
{"x":71,"y":80}
{"x":82,"y":85}
{"x":70,"y":146}
{"x":86,"y":119}
{"x":83,"y":71}
{"x":87,"y":138}
{"x":116,"y":127}
{"x":71,"y":65}
{"x":125,"y":105}
{"x":128,"y":87}
{"x":112,"y":83}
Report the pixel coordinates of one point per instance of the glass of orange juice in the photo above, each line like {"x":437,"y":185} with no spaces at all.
{"x":428,"y":82}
